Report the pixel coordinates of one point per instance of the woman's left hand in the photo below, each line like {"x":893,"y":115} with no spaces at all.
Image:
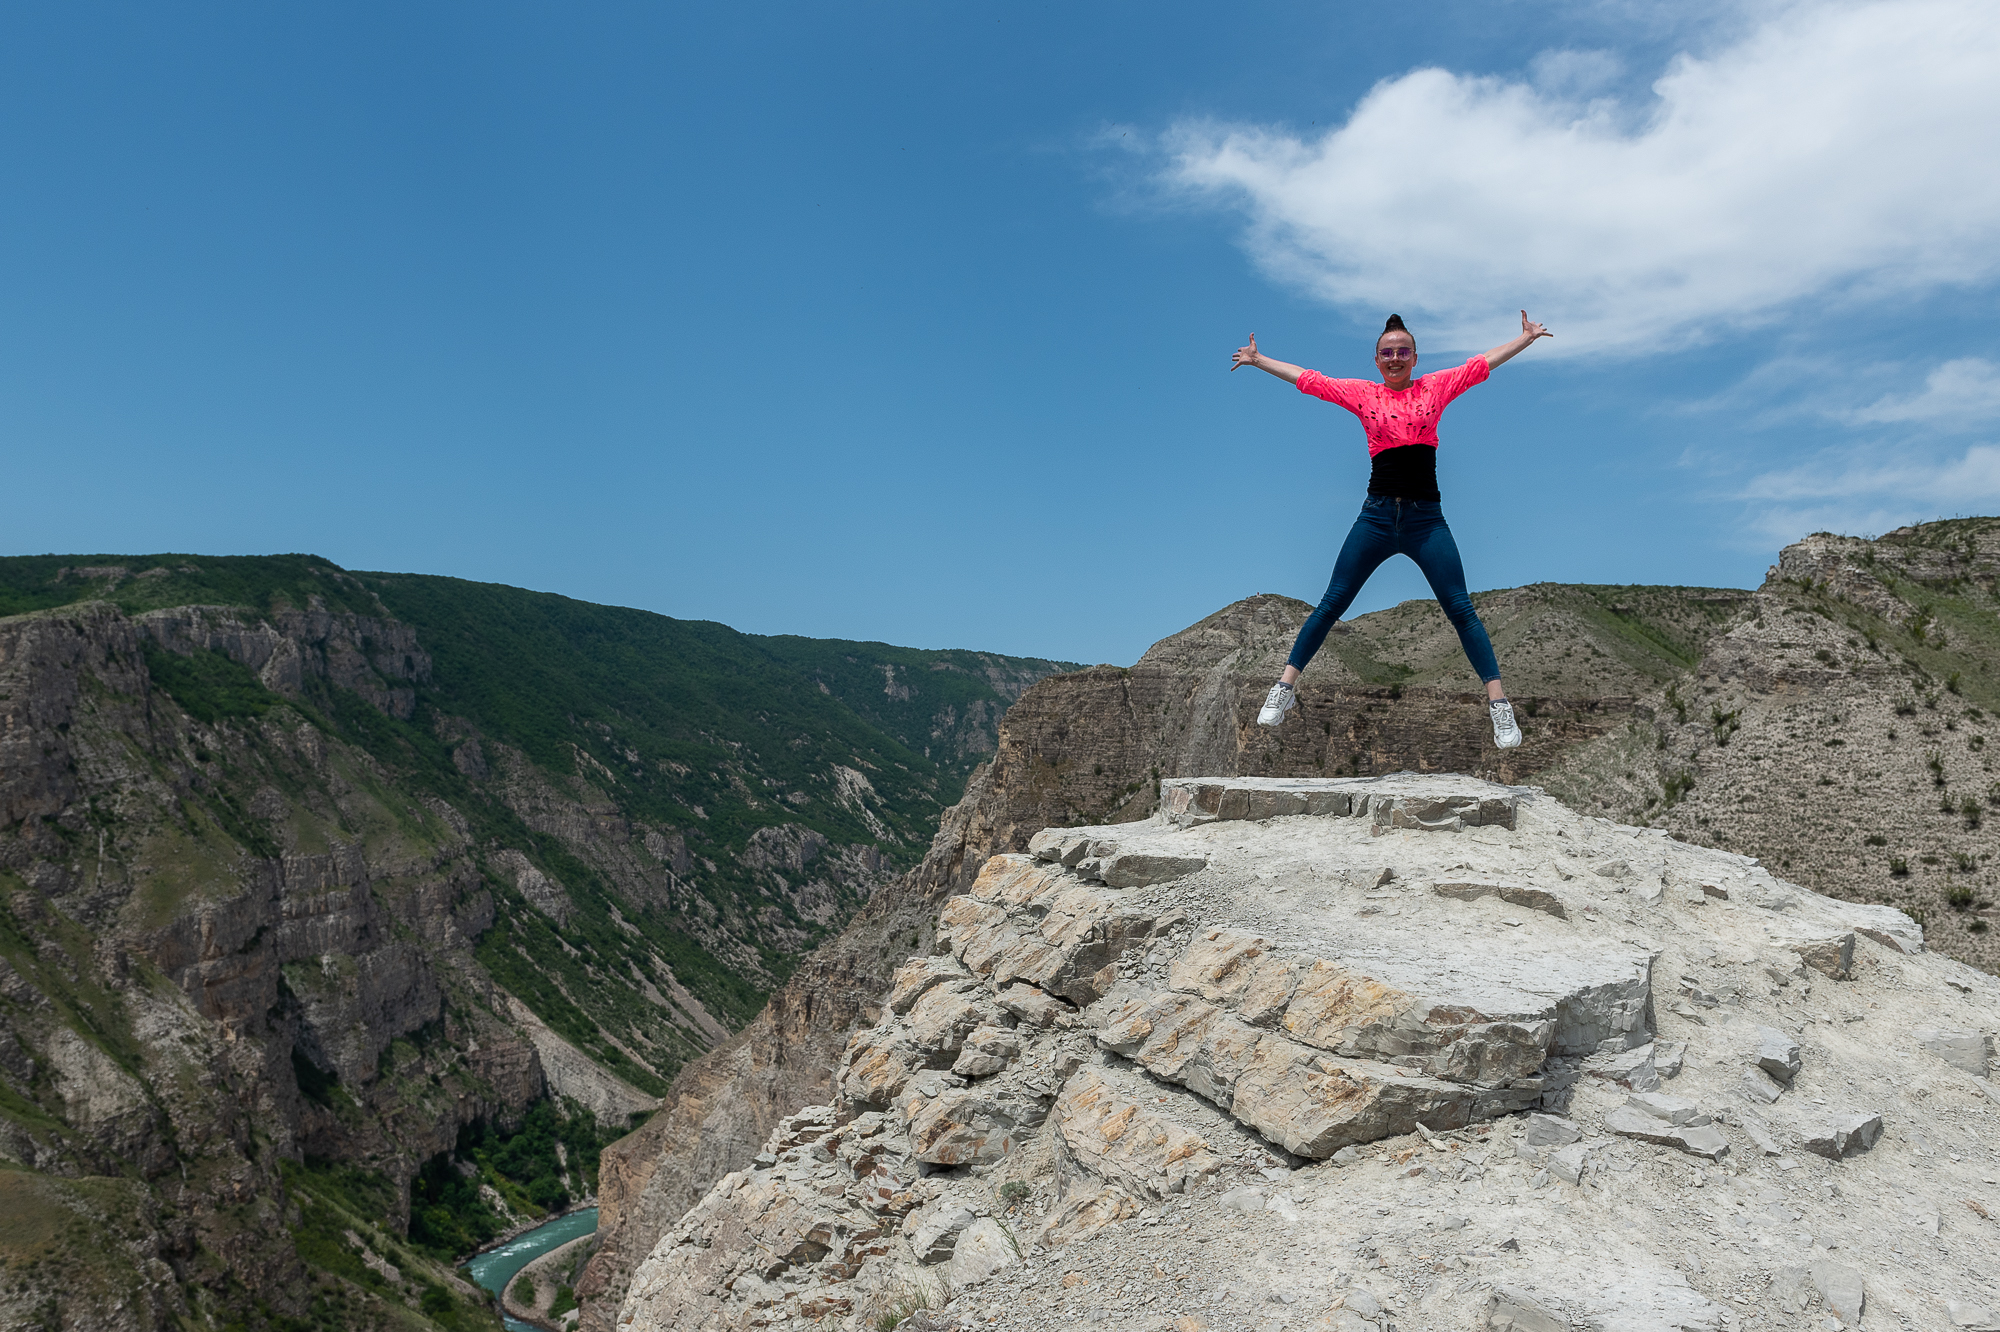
{"x":1532,"y":330}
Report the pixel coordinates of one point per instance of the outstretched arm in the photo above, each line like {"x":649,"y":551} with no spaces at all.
{"x":1507,"y":351}
{"x":1249,"y":355}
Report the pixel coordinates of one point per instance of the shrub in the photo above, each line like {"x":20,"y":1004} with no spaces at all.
{"x":1968,"y":809}
{"x":1906,"y":706}
{"x":1726,"y":723}
{"x":1899,"y":867}
{"x":1958,"y":897}
{"x":1935,"y":762}
{"x":437,"y":1300}
{"x":1875,"y":839}
{"x":1951,"y":682}
{"x":524,"y":1290}
{"x":1977,"y":927}
{"x":1013,"y":1191}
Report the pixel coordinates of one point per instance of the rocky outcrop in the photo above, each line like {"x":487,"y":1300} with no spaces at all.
{"x":1291,"y":1076}
{"x":374,"y":656}
{"x":1095,"y":745}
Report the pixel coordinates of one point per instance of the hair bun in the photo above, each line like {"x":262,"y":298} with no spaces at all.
{"x":1395,"y":325}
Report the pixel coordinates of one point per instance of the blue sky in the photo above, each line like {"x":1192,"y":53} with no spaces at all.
{"x":910,"y":322}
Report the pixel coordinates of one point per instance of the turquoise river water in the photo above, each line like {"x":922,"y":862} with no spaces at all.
{"x":496,"y":1267}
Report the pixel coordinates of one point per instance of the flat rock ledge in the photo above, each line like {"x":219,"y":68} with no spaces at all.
{"x":1417,"y":1051}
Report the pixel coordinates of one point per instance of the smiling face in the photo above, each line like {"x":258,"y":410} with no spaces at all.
{"x":1400,"y":361}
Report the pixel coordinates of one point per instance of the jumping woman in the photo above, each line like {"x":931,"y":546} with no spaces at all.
{"x":1402,"y":514}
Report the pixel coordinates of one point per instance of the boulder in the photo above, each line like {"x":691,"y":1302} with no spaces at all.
{"x":933,"y":1231}
{"x":983,"y":1252}
{"x":1846,"y":1136}
{"x":1777,"y":1054}
{"x":1832,"y":957}
{"x":1632,"y":1069}
{"x":1551,"y":1131}
{"x":1649,"y":1120}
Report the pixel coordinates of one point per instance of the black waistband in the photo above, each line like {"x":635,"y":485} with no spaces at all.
{"x":1409,"y":472}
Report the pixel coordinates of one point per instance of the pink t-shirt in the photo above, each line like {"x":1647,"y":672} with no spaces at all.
{"x":1391,"y":418}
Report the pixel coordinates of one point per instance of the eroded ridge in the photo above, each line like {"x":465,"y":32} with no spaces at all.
{"x":1439,"y":1064}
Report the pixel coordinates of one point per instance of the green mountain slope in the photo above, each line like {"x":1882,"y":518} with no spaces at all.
{"x":387,"y":861}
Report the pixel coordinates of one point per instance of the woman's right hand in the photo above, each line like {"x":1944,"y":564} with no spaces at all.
{"x":1244,"y":356}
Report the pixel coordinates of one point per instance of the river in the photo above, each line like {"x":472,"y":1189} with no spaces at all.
{"x":494,"y":1268}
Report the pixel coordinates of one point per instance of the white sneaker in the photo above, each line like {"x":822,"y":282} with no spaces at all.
{"x":1506,"y":734}
{"x":1281,"y":700}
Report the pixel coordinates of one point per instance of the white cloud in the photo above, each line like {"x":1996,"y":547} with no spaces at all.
{"x":1871,"y":491}
{"x":1836,"y":153}
{"x":1962,"y":392}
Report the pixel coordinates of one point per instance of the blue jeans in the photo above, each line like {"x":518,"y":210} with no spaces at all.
{"x":1415,"y":528}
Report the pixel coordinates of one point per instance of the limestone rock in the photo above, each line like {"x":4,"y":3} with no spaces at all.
{"x":1567,"y":1163}
{"x":1551,"y":1131}
{"x":1511,"y":1310}
{"x":934,"y":1231}
{"x":983,"y":1252}
{"x":1136,"y":869}
{"x":1846,"y":1136}
{"x":1840,"y":1286}
{"x":1639,"y":1121}
{"x":1777,"y":1054}
{"x":1517,"y":894}
{"x":1109,"y":1135}
{"x":1760,"y":1087}
{"x":1633,"y":1069}
{"x":1239,"y":971}
{"x":915,"y":978}
{"x":1832,"y":957}
{"x":1886,"y":926}
{"x":986,"y":1051}
{"x":1313,"y":1105}
{"x":1024,"y":921}
{"x":1083,"y":1212}
{"x":1033,"y":1007}
{"x":1970,"y":1051}
{"x":968,"y":1125}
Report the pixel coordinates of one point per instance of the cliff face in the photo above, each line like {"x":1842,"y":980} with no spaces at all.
{"x":163,"y":985}
{"x":1390,"y":693}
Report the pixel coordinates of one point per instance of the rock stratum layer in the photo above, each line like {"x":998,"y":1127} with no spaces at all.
{"x":1419,"y":1050}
